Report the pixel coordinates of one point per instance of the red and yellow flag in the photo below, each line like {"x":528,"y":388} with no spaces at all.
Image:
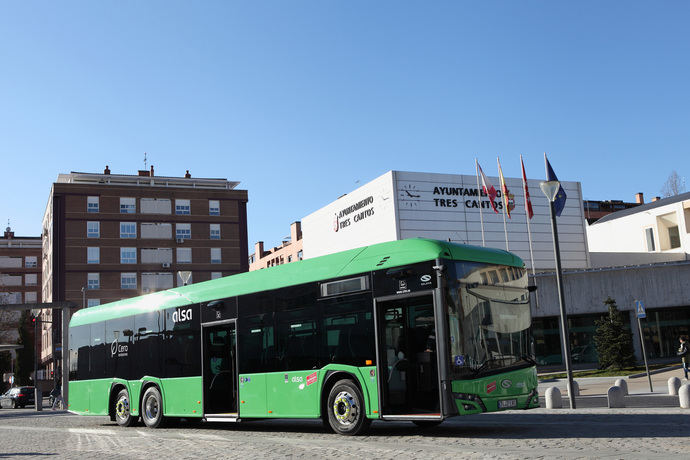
{"x":528,"y":202}
{"x":508,"y":200}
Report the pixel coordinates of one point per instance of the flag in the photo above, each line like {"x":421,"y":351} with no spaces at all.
{"x":488,"y":189}
{"x":508,"y":199}
{"x":559,"y":201}
{"x":528,"y":202}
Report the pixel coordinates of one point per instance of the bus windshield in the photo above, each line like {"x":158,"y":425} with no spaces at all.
{"x":489,"y":319}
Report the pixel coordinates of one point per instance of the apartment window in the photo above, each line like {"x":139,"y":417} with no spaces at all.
{"x":93,"y":229}
{"x":216,"y":275}
{"x":215,"y":256}
{"x":93,"y":281}
{"x":30,"y":279}
{"x":184,"y":255}
{"x":93,"y":302}
{"x":154,"y":205}
{"x":30,"y":261}
{"x":128,"y":229}
{"x":92,"y":204}
{"x":128,"y":255}
{"x":182,"y":207}
{"x":128,"y":280}
{"x":30,"y":297}
{"x":213,"y":207}
{"x":128,"y":205}
{"x":93,"y":255}
{"x":649,"y":236}
{"x":156,"y":231}
{"x":300,"y":256}
{"x":183,"y":231}
{"x":289,"y":258}
{"x":215,"y":231}
{"x":674,"y":237}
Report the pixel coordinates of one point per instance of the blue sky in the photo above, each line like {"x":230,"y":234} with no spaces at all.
{"x":300,"y":100}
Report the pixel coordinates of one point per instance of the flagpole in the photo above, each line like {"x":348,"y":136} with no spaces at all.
{"x":479,"y":190}
{"x":529,"y":232}
{"x":505,"y":201}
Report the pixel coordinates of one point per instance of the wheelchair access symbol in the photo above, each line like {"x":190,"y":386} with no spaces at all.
{"x":459,"y":360}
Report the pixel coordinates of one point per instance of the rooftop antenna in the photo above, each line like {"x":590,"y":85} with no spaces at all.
{"x":145,"y":160}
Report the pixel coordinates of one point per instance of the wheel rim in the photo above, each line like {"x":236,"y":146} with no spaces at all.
{"x":345,"y":408}
{"x":151,"y":408}
{"x":122,"y":408}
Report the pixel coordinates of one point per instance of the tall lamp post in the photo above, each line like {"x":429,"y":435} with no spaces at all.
{"x":550,"y":189}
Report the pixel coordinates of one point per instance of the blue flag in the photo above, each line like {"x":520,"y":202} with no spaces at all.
{"x":559,"y":202}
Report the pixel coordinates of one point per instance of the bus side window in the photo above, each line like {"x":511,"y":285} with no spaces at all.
{"x":98,"y":354}
{"x":349,"y":326}
{"x":256,"y":344}
{"x":182,"y":343}
{"x":147,"y":345}
{"x":79,"y":344}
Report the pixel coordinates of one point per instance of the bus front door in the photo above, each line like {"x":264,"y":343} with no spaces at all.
{"x":407,"y":356}
{"x":220,"y":372}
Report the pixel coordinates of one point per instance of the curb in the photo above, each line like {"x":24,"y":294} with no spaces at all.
{"x":656,"y":371}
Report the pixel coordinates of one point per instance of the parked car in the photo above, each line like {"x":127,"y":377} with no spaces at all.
{"x":17,"y":397}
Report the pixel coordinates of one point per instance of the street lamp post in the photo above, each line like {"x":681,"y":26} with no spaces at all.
{"x":550,"y":189}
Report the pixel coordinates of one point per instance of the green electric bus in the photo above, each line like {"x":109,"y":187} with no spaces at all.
{"x":416,"y":329}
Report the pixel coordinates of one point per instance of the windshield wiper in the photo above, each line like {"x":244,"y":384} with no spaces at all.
{"x":485,"y":365}
{"x":529,"y":359}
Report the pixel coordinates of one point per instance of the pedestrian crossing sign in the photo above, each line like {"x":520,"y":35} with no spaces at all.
{"x":639,"y":308}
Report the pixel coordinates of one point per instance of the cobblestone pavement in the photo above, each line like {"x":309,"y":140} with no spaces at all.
{"x":585,"y":433}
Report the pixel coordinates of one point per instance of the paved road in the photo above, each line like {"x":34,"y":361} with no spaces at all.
{"x":587,"y":433}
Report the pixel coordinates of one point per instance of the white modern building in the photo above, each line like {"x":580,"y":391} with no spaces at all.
{"x":400,"y":205}
{"x":653,"y":232}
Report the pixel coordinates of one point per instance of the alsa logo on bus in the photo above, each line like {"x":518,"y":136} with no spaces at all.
{"x":181,"y":315}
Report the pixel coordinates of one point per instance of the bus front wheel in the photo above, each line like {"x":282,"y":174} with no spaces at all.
{"x":152,"y":408}
{"x":345,"y":406}
{"x":123,"y":417}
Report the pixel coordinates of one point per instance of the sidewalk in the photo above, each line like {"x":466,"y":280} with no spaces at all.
{"x":592,"y":386}
{"x":593,"y":390}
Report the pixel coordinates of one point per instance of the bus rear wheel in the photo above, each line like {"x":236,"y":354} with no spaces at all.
{"x":345,"y":408}
{"x":152,"y":408}
{"x":123,"y":416}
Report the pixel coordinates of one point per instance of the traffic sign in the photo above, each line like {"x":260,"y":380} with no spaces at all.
{"x":639,"y":308}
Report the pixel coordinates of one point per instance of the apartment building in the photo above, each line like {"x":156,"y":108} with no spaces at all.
{"x":112,"y":236}
{"x":20,"y":278}
{"x":289,"y":251}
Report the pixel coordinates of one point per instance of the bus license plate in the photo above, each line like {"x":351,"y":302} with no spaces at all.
{"x":507,"y":403}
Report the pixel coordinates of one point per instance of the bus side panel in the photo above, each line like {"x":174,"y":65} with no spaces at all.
{"x":252,"y":395}
{"x":99,"y":394}
{"x":370,"y":387}
{"x":79,"y":396}
{"x":182,"y":397}
{"x":293,"y":394}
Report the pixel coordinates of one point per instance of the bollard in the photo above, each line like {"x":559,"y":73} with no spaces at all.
{"x":684,"y":396}
{"x":673,"y":386}
{"x":616,"y":397}
{"x":553,"y":398}
{"x":576,"y":388}
{"x":624,"y":386}
{"x":38,"y":399}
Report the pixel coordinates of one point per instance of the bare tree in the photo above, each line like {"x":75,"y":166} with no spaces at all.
{"x":674,"y":185}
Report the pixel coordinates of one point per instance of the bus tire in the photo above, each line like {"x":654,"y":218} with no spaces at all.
{"x":345,"y":408}
{"x":152,"y":407}
{"x":123,"y":416}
